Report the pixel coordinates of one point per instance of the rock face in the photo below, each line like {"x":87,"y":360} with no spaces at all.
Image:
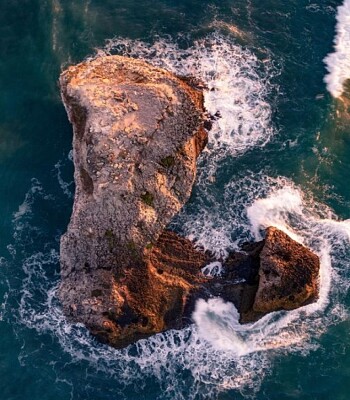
{"x":156,"y":298}
{"x":138,"y":131}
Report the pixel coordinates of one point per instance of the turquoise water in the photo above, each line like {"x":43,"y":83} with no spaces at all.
{"x":279,"y":156}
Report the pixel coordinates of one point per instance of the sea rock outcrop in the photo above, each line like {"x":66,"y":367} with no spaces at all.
{"x":138,"y":131}
{"x":159,"y":296}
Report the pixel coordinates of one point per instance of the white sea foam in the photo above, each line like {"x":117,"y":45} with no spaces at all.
{"x":274,"y":210}
{"x":26,"y":207}
{"x":218,"y":323}
{"x":65,"y":186}
{"x":283,"y":205}
{"x":317,"y":8}
{"x":222,"y":226}
{"x":212,"y":269}
{"x":338,"y":62}
{"x":217,"y":352}
{"x":4,"y":282}
{"x":23,"y":229}
{"x":238,"y":86}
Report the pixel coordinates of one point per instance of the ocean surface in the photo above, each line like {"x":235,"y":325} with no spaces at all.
{"x":279,"y":155}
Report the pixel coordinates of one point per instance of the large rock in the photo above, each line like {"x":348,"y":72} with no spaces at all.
{"x":155,"y":297}
{"x":275,"y":274}
{"x":158,"y":297}
{"x":288,"y":274}
{"x":138,"y":131}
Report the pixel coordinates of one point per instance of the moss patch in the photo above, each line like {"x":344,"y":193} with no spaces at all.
{"x":110,"y":236}
{"x":96,"y":293}
{"x":148,"y":198}
{"x":109,"y":233}
{"x":167,"y":162}
{"x":149,"y":246}
{"x":132,"y":248}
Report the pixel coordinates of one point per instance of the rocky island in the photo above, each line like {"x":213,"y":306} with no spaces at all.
{"x":138,"y":131}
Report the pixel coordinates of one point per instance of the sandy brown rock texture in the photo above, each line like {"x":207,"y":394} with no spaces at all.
{"x":159,"y":296}
{"x":138,"y":131}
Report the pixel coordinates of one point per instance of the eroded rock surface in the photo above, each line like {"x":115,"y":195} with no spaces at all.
{"x":138,"y":131}
{"x":158,"y":297}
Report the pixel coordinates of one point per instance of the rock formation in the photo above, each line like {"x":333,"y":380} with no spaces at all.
{"x":288,"y":274}
{"x":277,"y":273}
{"x":138,"y":131}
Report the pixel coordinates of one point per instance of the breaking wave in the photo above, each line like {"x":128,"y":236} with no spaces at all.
{"x":338,"y":62}
{"x":278,"y":202}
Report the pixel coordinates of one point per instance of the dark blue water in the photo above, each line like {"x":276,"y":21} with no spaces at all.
{"x":280,"y":155}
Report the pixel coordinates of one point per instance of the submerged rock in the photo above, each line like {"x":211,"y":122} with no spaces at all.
{"x":138,"y":131}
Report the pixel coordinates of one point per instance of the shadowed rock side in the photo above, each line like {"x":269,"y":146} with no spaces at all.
{"x":274,"y":274}
{"x":138,"y":131}
{"x":155,"y":298}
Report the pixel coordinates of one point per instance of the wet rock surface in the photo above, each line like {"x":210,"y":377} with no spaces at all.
{"x":275,"y":274}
